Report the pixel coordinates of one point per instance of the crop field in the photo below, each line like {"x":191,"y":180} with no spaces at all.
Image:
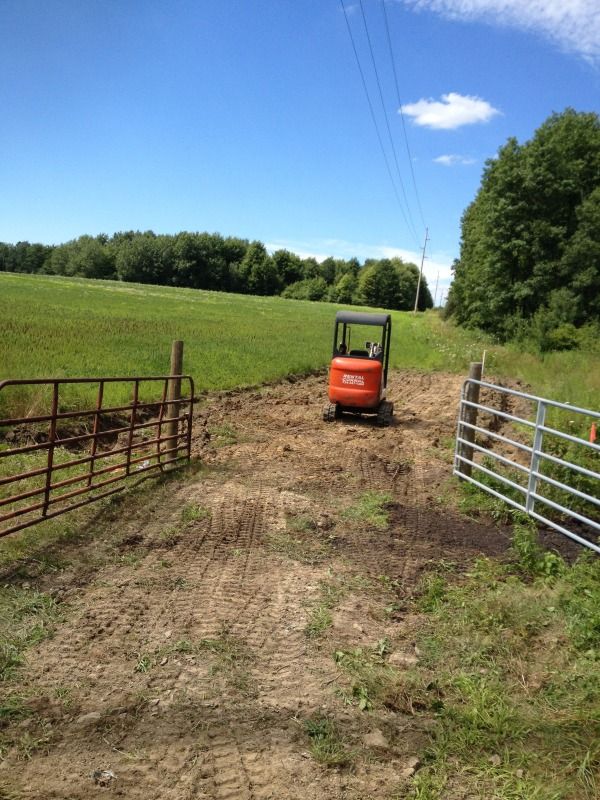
{"x":69,"y":327}
{"x":74,"y":327}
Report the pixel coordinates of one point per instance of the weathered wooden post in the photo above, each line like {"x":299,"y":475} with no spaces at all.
{"x":174,"y":394}
{"x":469,"y":415}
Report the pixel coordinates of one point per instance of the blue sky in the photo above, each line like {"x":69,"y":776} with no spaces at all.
{"x":248,"y":117}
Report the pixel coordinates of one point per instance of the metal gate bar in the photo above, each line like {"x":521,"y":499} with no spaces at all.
{"x":141,"y":456}
{"x":466,"y":451}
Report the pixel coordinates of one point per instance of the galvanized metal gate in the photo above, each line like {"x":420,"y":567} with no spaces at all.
{"x":110,"y":442}
{"x":534,"y":468}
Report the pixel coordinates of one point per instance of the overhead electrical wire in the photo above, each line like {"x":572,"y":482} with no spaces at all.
{"x":374,"y":118}
{"x":408,"y":152}
{"x":387,"y":121}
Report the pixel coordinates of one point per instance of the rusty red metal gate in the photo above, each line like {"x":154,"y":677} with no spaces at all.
{"x":145,"y":434}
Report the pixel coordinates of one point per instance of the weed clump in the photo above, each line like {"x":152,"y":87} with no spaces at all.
{"x":331,"y":593}
{"x":192,"y":512}
{"x":371,"y":508}
{"x":373,"y":683}
{"x":326,"y":745}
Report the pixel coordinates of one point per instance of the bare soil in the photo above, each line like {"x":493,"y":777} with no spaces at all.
{"x":183,"y":668}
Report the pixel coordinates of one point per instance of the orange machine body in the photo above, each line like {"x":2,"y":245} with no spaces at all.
{"x":356,"y":382}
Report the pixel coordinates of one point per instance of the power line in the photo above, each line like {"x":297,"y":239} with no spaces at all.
{"x":410,"y":160}
{"x":387,"y":121}
{"x":373,"y":117}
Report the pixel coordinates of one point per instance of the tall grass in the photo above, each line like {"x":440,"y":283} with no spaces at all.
{"x":512,"y":651}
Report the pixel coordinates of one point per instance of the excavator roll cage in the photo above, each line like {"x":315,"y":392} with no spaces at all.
{"x":342,"y":346}
{"x":358,"y":377}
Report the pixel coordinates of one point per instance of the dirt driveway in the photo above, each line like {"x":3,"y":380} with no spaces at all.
{"x":197,"y":653}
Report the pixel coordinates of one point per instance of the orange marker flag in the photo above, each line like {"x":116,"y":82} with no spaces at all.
{"x":593,"y":433}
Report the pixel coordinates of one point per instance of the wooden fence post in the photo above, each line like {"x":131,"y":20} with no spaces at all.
{"x":174,"y":393}
{"x":469,"y":415}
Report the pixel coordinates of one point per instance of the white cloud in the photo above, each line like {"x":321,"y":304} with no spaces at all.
{"x":453,"y":111}
{"x":453,"y":160}
{"x":302,"y":249}
{"x":573,"y":24}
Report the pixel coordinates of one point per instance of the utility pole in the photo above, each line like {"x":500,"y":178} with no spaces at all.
{"x":437,"y":280}
{"x":421,"y":270}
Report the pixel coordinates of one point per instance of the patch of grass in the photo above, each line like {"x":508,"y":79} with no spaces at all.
{"x":13,"y":707}
{"x":319,"y":619}
{"x":228,"y":648}
{"x":373,"y":683}
{"x":143,"y":663}
{"x":29,"y":743}
{"x":182,"y":646}
{"x":308,"y":549}
{"x":65,"y":695}
{"x":514,"y":652}
{"x":233,"y":658}
{"x":33,"y":734}
{"x":531,"y":558}
{"x":431,"y":591}
{"x":223,"y":435}
{"x":170,"y":535}
{"x":474,"y":502}
{"x":192,"y":512}
{"x":370,"y":509}
{"x":26,"y":617}
{"x":177,"y":582}
{"x":31,"y":546}
{"x":326,"y":745}
{"x":331,"y":592}
{"x":44,"y":547}
{"x":130,"y":559}
{"x":147,"y":661}
{"x":300,"y":523}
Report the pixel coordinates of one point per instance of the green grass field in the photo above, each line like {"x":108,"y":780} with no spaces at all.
{"x":69,"y":327}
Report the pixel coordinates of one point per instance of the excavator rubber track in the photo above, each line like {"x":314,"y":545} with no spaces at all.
{"x":385,"y":414}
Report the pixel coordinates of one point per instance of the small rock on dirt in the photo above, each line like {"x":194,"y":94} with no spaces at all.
{"x":103,"y":777}
{"x":410,"y":767}
{"x":375,"y":739}
{"x":88,"y":719}
{"x":403,"y":660}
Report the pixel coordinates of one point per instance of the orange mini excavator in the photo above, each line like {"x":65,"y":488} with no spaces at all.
{"x":358,"y":377}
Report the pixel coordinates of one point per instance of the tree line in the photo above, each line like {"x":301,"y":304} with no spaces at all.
{"x":529,"y":266}
{"x":228,"y":264}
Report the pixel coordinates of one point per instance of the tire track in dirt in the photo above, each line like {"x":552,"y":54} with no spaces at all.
{"x":190,"y":646}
